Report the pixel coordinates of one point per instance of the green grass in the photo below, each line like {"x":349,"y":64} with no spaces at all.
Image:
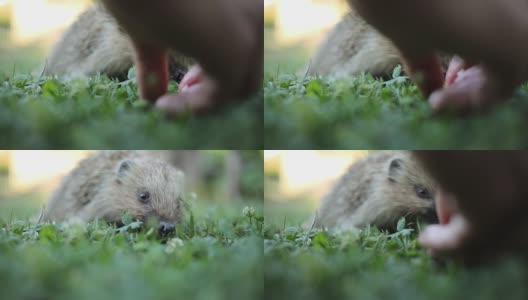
{"x":317,"y":264}
{"x":98,"y":113}
{"x":366,"y":113}
{"x":215,"y":254}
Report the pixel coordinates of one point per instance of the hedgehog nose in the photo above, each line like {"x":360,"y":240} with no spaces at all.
{"x":166,"y":228}
{"x":430,"y":216}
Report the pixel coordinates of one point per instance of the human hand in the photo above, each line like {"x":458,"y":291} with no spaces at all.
{"x":489,"y":35}
{"x":225,"y":37}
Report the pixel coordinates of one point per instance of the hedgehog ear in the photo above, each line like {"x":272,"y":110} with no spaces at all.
{"x":395,"y":167}
{"x":124,"y":166}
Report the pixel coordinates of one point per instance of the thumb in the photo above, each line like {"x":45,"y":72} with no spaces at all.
{"x":474,"y":89}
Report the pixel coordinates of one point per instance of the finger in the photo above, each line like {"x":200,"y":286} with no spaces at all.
{"x":175,"y":105}
{"x":471,"y":91}
{"x":455,"y":65}
{"x":425,"y":70}
{"x":192,"y":77}
{"x":199,"y":98}
{"x":152,"y":71}
{"x":447,"y":239}
{"x":445,"y":206}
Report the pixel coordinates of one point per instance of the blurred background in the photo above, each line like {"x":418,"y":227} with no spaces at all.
{"x":294,"y":28}
{"x":28,"y":28}
{"x":295,"y":181}
{"x":212,"y":177}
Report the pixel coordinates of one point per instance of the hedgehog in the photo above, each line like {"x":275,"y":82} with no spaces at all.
{"x":378,"y":190}
{"x":96,"y":44}
{"x":354,"y":47}
{"x":107,"y":184}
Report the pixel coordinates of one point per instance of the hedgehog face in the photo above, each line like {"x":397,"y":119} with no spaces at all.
{"x":412,"y":188}
{"x":149,"y":190}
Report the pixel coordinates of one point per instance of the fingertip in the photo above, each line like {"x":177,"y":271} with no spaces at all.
{"x":436,"y":100}
{"x":162,"y":101}
{"x":191,"y":78}
{"x":439,"y":238}
{"x":455,"y":65}
{"x":426,"y":236}
{"x":457,"y":98}
{"x":170,"y":104}
{"x":183,"y":87}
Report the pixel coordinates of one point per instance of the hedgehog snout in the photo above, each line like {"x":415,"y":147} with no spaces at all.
{"x":166,"y":228}
{"x":430,"y":216}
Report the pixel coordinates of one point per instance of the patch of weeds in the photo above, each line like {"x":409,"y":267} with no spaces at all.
{"x":363,"y":112}
{"x":99,"y":113}
{"x":373,"y":264}
{"x":213,"y":257}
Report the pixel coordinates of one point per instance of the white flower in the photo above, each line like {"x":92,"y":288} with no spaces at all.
{"x":248,"y":211}
{"x":172,"y":244}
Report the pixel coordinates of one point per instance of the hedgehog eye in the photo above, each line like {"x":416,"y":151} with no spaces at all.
{"x":144,"y":197}
{"x":422,"y":192}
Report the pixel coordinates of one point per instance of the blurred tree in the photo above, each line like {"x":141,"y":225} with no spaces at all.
{"x":220,"y":174}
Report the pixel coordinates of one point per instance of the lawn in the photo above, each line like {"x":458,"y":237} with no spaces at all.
{"x":99,"y":113}
{"x":368,"y":113}
{"x":319,"y":264}
{"x":215,"y":254}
